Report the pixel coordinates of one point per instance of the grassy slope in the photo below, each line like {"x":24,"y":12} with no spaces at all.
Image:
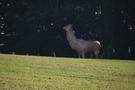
{"x":46,"y":73}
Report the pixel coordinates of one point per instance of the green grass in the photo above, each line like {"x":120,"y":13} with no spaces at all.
{"x":50,"y":73}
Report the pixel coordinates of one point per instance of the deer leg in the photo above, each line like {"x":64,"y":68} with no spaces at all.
{"x":79,"y":55}
{"x":91,"y":55}
{"x":83,"y":55}
{"x":96,"y":53}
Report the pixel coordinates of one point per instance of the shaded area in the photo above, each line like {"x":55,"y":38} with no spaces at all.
{"x":35,"y":27}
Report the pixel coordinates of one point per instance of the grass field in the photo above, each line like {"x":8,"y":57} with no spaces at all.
{"x":50,"y":73}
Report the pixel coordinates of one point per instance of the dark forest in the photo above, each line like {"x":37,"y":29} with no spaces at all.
{"x":34,"y":27}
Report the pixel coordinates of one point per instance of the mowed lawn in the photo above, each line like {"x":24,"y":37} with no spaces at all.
{"x":50,"y":73}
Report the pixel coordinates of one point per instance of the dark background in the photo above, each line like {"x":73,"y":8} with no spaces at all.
{"x":34,"y":27}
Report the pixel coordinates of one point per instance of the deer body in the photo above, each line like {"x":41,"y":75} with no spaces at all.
{"x":80,"y":45}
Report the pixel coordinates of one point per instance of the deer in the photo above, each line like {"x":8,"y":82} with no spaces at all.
{"x":81,"y":46}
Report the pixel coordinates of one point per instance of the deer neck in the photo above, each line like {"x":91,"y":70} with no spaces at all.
{"x":70,"y":36}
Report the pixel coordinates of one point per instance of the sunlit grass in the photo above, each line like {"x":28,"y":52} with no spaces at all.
{"x":50,"y":73}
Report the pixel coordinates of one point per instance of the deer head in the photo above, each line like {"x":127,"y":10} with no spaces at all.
{"x":68,"y":27}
